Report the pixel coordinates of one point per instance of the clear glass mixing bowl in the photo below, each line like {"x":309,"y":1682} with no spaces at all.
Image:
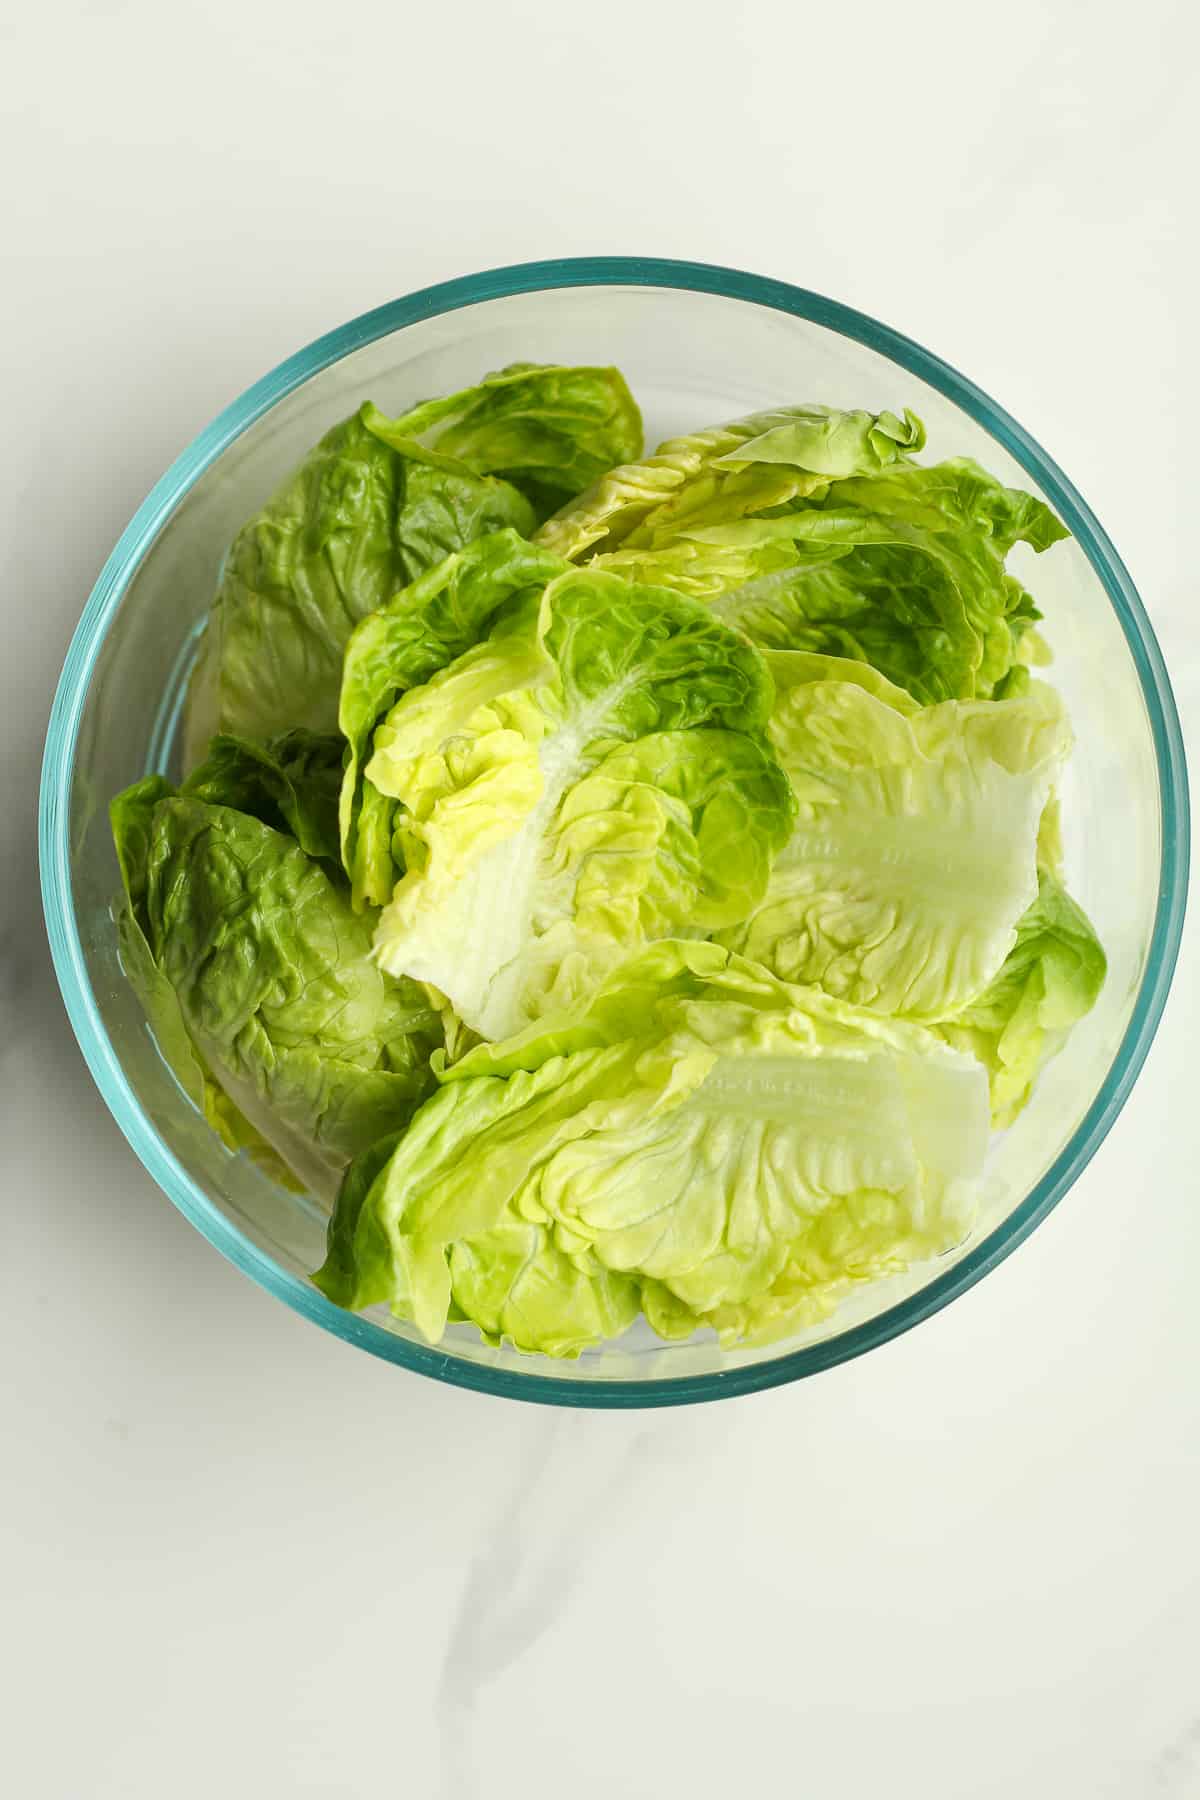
{"x":698,"y":344}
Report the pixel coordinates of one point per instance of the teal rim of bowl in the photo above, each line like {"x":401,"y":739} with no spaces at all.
{"x":58,"y":764}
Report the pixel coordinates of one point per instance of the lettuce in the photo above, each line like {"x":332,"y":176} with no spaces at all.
{"x":815,"y":530}
{"x":619,"y":884}
{"x":427,"y":625}
{"x":713,"y":477}
{"x":375,"y":504}
{"x":257,"y":977}
{"x":357,"y":520}
{"x":293,"y":782}
{"x":132,"y":813}
{"x":915,"y":851}
{"x":1050,"y":979}
{"x":548,"y":429}
{"x":591,"y":776}
{"x":701,"y":1139}
{"x":905,"y":572}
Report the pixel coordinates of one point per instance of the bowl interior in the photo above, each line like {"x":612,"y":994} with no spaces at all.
{"x":692,"y":358}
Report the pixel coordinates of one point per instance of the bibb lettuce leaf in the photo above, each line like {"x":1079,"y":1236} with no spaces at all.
{"x":715,"y":477}
{"x":427,"y":625}
{"x":1050,"y":979}
{"x":904,"y":571}
{"x":591,"y":776}
{"x":702,"y":1138}
{"x":257,"y":976}
{"x":292,"y":782}
{"x":914,"y":853}
{"x":548,"y":428}
{"x":812,"y":529}
{"x":377,"y":502}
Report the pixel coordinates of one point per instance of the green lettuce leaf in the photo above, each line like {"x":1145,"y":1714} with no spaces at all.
{"x":427,"y":625}
{"x":375,"y":504}
{"x":815,"y":530}
{"x":515,"y":1283}
{"x":903,"y":570}
{"x":358,"y":520}
{"x":792,"y":669}
{"x":292,"y":783}
{"x":1050,"y":979}
{"x":260,"y":987}
{"x":132,"y":814}
{"x":163,"y":1015}
{"x":914,"y":854}
{"x":957,"y":496}
{"x":588,"y":778}
{"x":713,"y":477}
{"x":548,"y":429}
{"x":703,"y":1132}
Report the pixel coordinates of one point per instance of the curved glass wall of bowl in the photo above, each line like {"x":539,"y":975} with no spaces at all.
{"x":697,"y":345}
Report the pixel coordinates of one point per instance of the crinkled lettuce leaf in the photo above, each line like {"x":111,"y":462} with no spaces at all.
{"x":701,"y":1134}
{"x":549,"y":429}
{"x":815,"y":530}
{"x":914,"y":854}
{"x":259,"y":983}
{"x":957,"y":496}
{"x":591,"y":776}
{"x":714,"y":477}
{"x":377,"y":502}
{"x":905,"y":571}
{"x":356,"y":521}
{"x":293,"y":782}
{"x":1050,"y":979}
{"x":131,"y":815}
{"x":430,"y":623}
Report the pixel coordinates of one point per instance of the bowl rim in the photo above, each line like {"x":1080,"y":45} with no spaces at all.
{"x":102,"y":606}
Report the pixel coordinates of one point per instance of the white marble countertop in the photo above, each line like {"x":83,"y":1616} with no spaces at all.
{"x":240,"y":1558}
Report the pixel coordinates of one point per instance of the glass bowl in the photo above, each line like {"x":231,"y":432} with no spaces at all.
{"x":698,"y":344}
